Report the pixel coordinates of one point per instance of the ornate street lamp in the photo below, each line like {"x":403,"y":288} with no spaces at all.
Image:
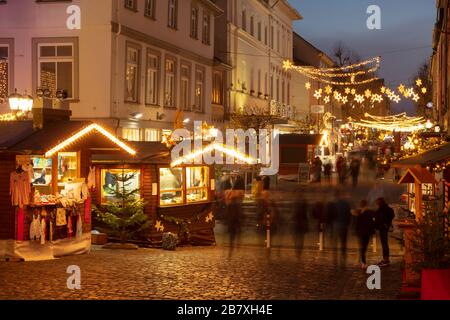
{"x":20,"y":103}
{"x":14,"y":101}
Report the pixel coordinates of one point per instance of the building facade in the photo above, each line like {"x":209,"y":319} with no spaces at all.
{"x":440,"y":65}
{"x":259,"y":39}
{"x":135,"y":65}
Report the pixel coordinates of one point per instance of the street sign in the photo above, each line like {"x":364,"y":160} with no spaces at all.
{"x":317,"y":109}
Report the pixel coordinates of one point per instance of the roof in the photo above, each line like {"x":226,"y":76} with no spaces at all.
{"x":300,"y":139}
{"x":13,"y":132}
{"x":146,"y":152}
{"x":53,"y":137}
{"x":420,"y":175}
{"x":436,"y":155}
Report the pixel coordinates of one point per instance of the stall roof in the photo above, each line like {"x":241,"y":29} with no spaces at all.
{"x":20,"y":136}
{"x":430,"y":157}
{"x":146,"y":152}
{"x":301,"y":139}
{"x":420,"y":175}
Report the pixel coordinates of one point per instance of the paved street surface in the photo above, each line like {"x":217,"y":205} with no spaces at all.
{"x":196,"y":273}
{"x":250,"y":272}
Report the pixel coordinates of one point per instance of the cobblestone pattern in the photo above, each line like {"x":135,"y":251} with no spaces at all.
{"x":197,"y":273}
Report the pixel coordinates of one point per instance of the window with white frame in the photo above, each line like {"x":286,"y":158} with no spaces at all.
{"x":173,"y":14}
{"x":169,"y":92}
{"x":199,"y":89}
{"x":131,"y":134}
{"x":194,"y":22}
{"x":150,"y":9}
{"x":4,"y":71}
{"x":152,"y":81}
{"x":152,"y":135}
{"x":132,"y":74}
{"x":206,"y":27}
{"x":56,"y":67}
{"x":185,"y":73}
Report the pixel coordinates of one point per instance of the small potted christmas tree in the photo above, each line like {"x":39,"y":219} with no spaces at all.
{"x":124,"y":215}
{"x":431,"y":251}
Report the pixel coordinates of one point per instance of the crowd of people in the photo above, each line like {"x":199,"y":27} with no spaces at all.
{"x":343,"y":169}
{"x":334,"y":218}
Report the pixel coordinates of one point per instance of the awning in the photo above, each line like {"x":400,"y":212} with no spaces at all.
{"x":436,"y":155}
{"x":420,"y":175}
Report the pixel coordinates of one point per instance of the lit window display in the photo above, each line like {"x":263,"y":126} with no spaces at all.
{"x":67,"y":169}
{"x":114,"y":180}
{"x":197,"y":184}
{"x":171,"y":186}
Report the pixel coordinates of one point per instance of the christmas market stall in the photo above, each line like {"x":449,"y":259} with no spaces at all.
{"x":47,"y":179}
{"x":178,"y":198}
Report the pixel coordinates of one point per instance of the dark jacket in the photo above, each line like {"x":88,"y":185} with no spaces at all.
{"x":383,"y":217}
{"x":343,"y":214}
{"x":365,"y":224}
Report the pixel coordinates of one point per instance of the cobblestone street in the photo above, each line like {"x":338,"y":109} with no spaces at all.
{"x":197,"y":273}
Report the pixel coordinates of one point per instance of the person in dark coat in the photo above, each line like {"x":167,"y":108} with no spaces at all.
{"x":300,"y":223}
{"x":342,"y":223}
{"x":365,"y":228}
{"x":234,"y":199}
{"x":383,"y":223}
{"x":355,"y":166}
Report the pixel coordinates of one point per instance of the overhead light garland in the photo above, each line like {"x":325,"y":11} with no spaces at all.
{"x":398,"y":123}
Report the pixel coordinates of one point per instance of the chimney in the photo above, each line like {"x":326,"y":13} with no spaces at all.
{"x":47,"y":110}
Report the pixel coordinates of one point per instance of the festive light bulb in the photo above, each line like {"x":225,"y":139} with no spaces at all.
{"x":318,"y":94}
{"x":328,"y":89}
{"x":308,"y":85}
{"x":419,"y":82}
{"x":326,"y":99}
{"x":401,"y":88}
{"x":347,"y":90}
{"x":368,"y":93}
{"x":424,"y":90}
{"x":359,"y":98}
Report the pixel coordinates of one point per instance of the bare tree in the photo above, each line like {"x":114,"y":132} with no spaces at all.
{"x":344,"y":56}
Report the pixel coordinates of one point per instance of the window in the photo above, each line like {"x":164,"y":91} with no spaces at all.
{"x":265,"y":36}
{"x":185,"y":87}
{"x":278,"y":89}
{"x":152,"y":79}
{"x":173,"y":14}
{"x":244,"y":20}
{"x":56,"y":68}
{"x":282,"y":91}
{"x":150,"y":9}
{"x":194,"y":22}
{"x":131,"y":134}
{"x":278,"y":39}
{"x":206,"y":27}
{"x":199,"y":89}
{"x":4,"y":71}
{"x":289,"y":94}
{"x":175,"y":183}
{"x":259,"y":81}
{"x":153,"y":135}
{"x":42,"y":170}
{"x":272,"y":31}
{"x":197,"y":184}
{"x":131,"y":4}
{"x":217,"y":96}
{"x":171,"y":186}
{"x":132,"y":74}
{"x":271,"y":87}
{"x":259,"y":30}
{"x":252,"y":25}
{"x":169,"y":96}
{"x":113,"y":180}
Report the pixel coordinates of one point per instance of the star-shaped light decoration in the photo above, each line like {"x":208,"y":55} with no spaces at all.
{"x":409,"y":93}
{"x":326,"y":99}
{"x":397,"y":98}
{"x":424,"y":90}
{"x":347,"y":90}
{"x":377,"y":98}
{"x":328,"y":89}
{"x":353,"y":92}
{"x":419,"y":82}
{"x":401,"y":88}
{"x":416,"y":97}
{"x":383,"y":89}
{"x":159,"y":226}
{"x":308,"y":85}
{"x":318,"y":94}
{"x":337,"y":96}
{"x":352,"y":79}
{"x":359,"y":98}
{"x":287,"y":65}
{"x":209,"y":217}
{"x":368,"y":93}
{"x":344,"y":99}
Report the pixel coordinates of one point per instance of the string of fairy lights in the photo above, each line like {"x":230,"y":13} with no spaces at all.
{"x":353,"y":95}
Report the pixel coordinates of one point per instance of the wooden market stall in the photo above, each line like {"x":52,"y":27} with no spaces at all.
{"x":177,"y":199}
{"x":46,"y":179}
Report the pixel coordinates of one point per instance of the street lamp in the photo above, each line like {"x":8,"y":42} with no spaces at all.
{"x":14,"y":101}
{"x":20,"y":103}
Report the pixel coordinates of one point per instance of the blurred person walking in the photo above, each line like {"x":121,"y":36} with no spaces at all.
{"x":300,"y":224}
{"x":234,"y":199}
{"x":342,"y":223}
{"x":355,"y":167}
{"x":365,"y":228}
{"x":383,"y":223}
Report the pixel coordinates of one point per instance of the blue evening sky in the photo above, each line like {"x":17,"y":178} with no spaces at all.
{"x":406,"y":25}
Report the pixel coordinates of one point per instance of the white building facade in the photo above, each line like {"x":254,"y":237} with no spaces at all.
{"x":259,"y":39}
{"x":134,"y":65}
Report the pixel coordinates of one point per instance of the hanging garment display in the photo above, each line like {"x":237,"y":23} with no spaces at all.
{"x":87,"y":210}
{"x":69,"y":227}
{"x":20,"y":188}
{"x":20,"y":224}
{"x":43,"y":230}
{"x":84,"y":191}
{"x":61,"y":219}
{"x":91,"y":178}
{"x":35,"y":228}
